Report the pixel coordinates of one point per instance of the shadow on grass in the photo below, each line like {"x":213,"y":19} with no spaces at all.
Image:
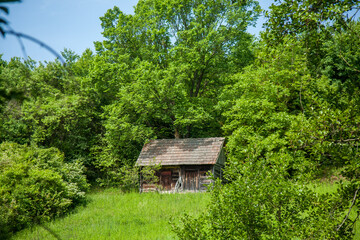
{"x":49,"y":230}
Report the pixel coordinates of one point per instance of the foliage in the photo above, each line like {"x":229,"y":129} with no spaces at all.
{"x":52,"y":111}
{"x":6,"y":11}
{"x":312,"y":22}
{"x":172,"y":63}
{"x":286,"y":121}
{"x":262,"y":203}
{"x":63,"y":122}
{"x":36,"y":186}
{"x":274,"y":107}
{"x":158,"y":74}
{"x":262,"y":104}
{"x":178,"y":55}
{"x":295,"y":17}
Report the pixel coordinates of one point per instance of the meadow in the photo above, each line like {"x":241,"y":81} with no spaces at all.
{"x":110,"y":214}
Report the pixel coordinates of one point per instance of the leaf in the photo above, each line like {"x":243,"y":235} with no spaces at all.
{"x":2,"y":32}
{"x":5,"y":9}
{"x":4,"y":1}
{"x":3,"y":21}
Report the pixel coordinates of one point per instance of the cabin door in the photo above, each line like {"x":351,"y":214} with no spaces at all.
{"x":165,"y":180}
{"x":191,"y":180}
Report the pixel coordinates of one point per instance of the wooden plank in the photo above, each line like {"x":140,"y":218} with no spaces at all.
{"x":204,"y":177}
{"x":166,"y":173}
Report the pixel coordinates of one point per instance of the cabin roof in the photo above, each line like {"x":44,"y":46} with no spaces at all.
{"x":186,"y":151}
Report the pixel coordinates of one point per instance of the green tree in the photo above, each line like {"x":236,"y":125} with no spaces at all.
{"x":174,"y":60}
{"x":270,"y":109}
{"x":57,"y":107}
{"x":196,"y":44}
{"x":312,"y":22}
{"x":287,"y":121}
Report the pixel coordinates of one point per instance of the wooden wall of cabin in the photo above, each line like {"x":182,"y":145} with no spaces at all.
{"x":146,"y":186}
{"x":217,"y":171}
{"x":194,"y":178}
{"x":168,"y":176}
{"x":221,"y":158}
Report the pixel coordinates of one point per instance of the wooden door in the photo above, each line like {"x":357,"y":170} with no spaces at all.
{"x":191,"y":180}
{"x":165,"y":180}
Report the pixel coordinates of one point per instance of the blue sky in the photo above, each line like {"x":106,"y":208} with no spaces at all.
{"x":72,"y":24}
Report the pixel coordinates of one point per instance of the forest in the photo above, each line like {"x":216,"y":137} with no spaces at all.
{"x":287,"y":102}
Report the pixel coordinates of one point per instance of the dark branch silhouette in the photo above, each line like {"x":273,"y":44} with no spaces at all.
{"x":42,"y":44}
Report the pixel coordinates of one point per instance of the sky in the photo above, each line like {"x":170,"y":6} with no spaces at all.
{"x":71,"y":24}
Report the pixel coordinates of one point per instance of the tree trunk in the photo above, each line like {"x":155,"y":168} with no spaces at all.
{"x":188,"y":128}
{"x":177,"y":133}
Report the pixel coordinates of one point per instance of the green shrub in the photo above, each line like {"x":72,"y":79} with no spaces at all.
{"x":262,"y":203}
{"x":36,"y":185}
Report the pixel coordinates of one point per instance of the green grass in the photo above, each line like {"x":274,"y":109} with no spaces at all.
{"x":324,"y":187}
{"x":113,"y":215}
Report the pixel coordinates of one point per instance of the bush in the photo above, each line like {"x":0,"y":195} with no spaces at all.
{"x":261,"y":203}
{"x":36,"y":185}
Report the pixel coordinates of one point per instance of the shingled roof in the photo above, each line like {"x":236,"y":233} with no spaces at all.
{"x":187,"y":151}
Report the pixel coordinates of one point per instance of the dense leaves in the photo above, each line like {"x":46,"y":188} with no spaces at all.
{"x":288,"y":117}
{"x":36,"y":186}
{"x":178,"y":55}
{"x":175,"y":59}
{"x":261,"y":203}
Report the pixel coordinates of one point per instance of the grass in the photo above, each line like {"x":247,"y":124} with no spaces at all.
{"x":113,"y":215}
{"x":324,"y":187}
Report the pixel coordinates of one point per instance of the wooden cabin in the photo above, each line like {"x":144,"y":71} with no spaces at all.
{"x":185,"y":163}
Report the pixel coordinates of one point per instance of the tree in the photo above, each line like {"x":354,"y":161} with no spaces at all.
{"x":275,"y":107}
{"x":310,"y":21}
{"x":288,"y":120}
{"x":174,"y":60}
{"x":196,"y":44}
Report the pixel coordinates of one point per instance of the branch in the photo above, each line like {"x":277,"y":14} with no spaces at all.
{"x":348,"y":140}
{"x":348,"y":63}
{"x":355,"y":13}
{"x":302,"y":107}
{"x":21,"y":44}
{"x":347,"y":215}
{"x":42,"y":44}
